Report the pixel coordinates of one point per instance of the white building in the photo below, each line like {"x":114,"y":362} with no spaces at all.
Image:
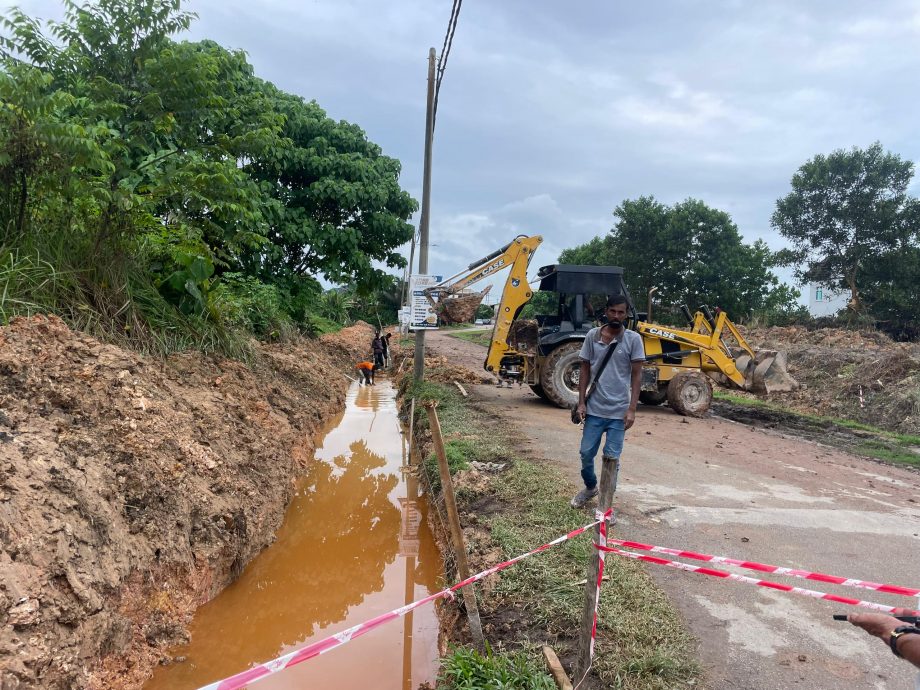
{"x":824,"y":301}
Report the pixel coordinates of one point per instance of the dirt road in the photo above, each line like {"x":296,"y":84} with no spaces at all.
{"x":714,"y":486}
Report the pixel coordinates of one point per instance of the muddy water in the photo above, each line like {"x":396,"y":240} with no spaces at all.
{"x":355,"y":543}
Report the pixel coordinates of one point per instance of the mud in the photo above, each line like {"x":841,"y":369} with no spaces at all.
{"x":355,"y":543}
{"x":133,"y":490}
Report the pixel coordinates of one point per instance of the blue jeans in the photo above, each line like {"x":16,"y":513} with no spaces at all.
{"x":591,"y":441}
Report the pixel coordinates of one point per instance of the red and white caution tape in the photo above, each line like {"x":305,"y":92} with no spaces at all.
{"x":261,"y":671}
{"x":602,"y":543}
{"x":775,"y":569}
{"x":750,"y":580}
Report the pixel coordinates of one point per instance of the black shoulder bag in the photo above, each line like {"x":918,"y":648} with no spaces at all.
{"x":613,"y":346}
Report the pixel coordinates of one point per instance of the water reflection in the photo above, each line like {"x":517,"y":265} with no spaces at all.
{"x":355,"y":543}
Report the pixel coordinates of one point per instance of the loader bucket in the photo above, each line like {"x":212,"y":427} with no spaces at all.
{"x":766,"y":372}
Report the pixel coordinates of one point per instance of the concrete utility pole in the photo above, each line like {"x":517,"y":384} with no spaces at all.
{"x":426,"y":212}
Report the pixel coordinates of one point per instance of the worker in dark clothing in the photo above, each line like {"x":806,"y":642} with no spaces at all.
{"x":377,"y":347}
{"x":385,"y":340}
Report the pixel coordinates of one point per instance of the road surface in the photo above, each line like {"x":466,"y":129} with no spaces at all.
{"x":714,"y":486}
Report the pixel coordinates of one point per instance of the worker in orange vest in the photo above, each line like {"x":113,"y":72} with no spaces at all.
{"x":367,"y":369}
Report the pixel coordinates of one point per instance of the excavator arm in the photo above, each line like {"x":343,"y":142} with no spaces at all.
{"x":515,"y":255}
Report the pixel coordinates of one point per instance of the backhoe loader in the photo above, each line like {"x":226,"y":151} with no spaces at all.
{"x":543,"y":352}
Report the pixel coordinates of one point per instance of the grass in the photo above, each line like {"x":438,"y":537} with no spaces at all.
{"x":478,"y":337}
{"x":468,"y":669}
{"x":641,"y":643}
{"x":887,"y":445}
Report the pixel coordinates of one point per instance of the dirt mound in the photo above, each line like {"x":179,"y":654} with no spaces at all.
{"x":858,"y":375}
{"x":132,"y":490}
{"x":442,"y":370}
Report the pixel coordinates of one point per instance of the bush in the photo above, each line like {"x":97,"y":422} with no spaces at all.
{"x":244,"y":302}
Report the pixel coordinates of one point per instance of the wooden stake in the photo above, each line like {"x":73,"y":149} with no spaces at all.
{"x":411,"y":431}
{"x":453,"y":519}
{"x":555,"y":669}
{"x":604,"y":501}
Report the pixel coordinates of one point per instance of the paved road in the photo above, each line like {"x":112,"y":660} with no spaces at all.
{"x":718,"y":487}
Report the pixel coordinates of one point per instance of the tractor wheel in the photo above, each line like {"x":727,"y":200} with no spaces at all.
{"x":559,"y":375}
{"x":538,"y":390}
{"x":690,"y":393}
{"x":654,"y":397}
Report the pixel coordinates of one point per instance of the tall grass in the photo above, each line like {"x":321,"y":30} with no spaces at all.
{"x":110,"y":296}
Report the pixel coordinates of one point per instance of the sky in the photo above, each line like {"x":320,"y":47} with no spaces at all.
{"x":551,"y":113}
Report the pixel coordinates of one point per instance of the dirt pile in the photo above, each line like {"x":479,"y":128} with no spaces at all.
{"x":460,"y":308}
{"x":443,"y":370}
{"x":132,"y":490}
{"x":858,"y":375}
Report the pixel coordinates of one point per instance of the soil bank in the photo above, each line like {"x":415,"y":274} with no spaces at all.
{"x":133,"y":489}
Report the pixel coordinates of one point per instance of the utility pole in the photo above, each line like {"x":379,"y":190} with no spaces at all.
{"x":426,"y":211}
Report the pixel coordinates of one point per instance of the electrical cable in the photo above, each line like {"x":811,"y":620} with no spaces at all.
{"x":445,"y":53}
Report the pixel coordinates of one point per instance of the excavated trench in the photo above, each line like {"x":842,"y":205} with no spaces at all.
{"x":355,"y":543}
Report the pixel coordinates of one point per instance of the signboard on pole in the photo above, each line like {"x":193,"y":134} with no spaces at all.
{"x":422,"y":313}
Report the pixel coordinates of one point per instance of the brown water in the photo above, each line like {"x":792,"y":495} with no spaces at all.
{"x":354,"y":544}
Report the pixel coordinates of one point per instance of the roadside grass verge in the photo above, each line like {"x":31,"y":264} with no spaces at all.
{"x":469,"y":669}
{"x":853,"y":437}
{"x":478,"y":337}
{"x":642,"y":642}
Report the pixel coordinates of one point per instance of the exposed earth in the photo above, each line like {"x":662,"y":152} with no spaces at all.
{"x":133,"y":489}
{"x":715,"y":486}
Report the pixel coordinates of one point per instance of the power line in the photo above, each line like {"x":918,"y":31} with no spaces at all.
{"x":445,"y":53}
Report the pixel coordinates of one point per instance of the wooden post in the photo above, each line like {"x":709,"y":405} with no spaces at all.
{"x":411,"y":431}
{"x":453,"y":519}
{"x":555,"y":669}
{"x":604,"y":501}
{"x":425,"y":217}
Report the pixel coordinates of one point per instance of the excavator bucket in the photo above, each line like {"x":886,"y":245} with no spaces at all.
{"x":766,"y":372}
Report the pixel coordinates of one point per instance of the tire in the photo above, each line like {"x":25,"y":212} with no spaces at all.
{"x":559,"y":375}
{"x":654,"y":397}
{"x":690,"y":393}
{"x":538,"y":390}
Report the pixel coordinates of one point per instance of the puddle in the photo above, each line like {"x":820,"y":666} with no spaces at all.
{"x":354,"y":544}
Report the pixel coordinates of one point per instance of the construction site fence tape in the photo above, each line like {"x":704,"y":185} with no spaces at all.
{"x":714,"y":572}
{"x":774,"y":569}
{"x":269,"y":668}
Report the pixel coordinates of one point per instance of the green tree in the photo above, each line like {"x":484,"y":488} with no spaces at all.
{"x":484,"y":311}
{"x":337,"y":204}
{"x":846,"y":210}
{"x":149,"y":169}
{"x":692,"y":254}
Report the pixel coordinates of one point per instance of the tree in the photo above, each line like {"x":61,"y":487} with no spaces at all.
{"x":337,"y":204}
{"x":484,"y":311}
{"x":693,"y":254}
{"x":845,"y":211}
{"x":150,"y":167}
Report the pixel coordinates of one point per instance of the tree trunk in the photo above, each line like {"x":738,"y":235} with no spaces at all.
{"x":23,"y":199}
{"x":855,"y":303}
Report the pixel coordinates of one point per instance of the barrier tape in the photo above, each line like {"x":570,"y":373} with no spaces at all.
{"x":263,"y":670}
{"x":713,"y":572}
{"x":602,"y":542}
{"x":778,"y":570}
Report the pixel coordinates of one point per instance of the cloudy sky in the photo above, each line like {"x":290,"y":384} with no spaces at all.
{"x":553,"y":112}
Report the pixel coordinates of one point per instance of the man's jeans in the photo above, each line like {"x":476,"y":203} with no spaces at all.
{"x":591,"y":441}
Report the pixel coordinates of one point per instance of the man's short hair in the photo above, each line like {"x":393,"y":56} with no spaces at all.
{"x":614,"y":300}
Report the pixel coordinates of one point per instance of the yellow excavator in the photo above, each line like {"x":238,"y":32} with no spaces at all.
{"x":543,"y":352}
